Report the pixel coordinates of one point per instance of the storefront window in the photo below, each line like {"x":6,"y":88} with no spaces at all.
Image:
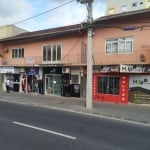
{"x":108,"y":85}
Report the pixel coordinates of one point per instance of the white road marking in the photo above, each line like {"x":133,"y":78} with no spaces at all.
{"x":45,"y":130}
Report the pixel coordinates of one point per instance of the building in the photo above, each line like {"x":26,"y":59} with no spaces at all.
{"x":9,"y":31}
{"x":122,"y":58}
{"x":57,"y":58}
{"x":121,"y":6}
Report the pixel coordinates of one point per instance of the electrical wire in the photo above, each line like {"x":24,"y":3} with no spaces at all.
{"x":44,"y":12}
{"x":39,"y":14}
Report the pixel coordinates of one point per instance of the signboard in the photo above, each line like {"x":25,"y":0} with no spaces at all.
{"x":9,"y":70}
{"x":132,"y":68}
{"x":106,"y":68}
{"x":142,"y":81}
{"x":32,"y":71}
{"x":30,"y":60}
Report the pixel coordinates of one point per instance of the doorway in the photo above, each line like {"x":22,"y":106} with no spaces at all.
{"x":53,"y":84}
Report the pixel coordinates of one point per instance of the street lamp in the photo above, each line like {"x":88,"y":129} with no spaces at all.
{"x":89,"y":54}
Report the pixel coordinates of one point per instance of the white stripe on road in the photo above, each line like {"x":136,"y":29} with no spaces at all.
{"x":45,"y":130}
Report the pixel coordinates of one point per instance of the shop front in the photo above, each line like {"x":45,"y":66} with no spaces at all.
{"x":139,"y":86}
{"x":62,"y":81}
{"x":30,"y":80}
{"x":110,"y":85}
{"x":139,"y":82}
{"x":53,"y":84}
{"x":122,"y":84}
{"x":11,"y":73}
{"x":52,"y":81}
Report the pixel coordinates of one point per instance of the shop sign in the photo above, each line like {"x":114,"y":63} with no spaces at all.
{"x":32,"y":71}
{"x":147,"y":69}
{"x":140,"y":81}
{"x":30,"y":60}
{"x":106,"y":68}
{"x":6,"y":69}
{"x":132,"y":68}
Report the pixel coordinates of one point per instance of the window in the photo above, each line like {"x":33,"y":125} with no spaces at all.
{"x":134,"y":4}
{"x":141,"y":3}
{"x":124,"y":8}
{"x":18,"y":53}
{"x":74,"y":79}
{"x":52,"y":52}
{"x":148,"y":3}
{"x":111,"y":11}
{"x":108,"y":85}
{"x":119,"y":46}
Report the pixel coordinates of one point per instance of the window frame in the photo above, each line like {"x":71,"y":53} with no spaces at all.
{"x":124,"y":8}
{"x":52,"y":53}
{"x":119,"y":42}
{"x":108,"y":85}
{"x":17,"y":53}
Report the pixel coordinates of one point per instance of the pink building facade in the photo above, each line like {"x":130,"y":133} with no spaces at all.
{"x":53,"y":61}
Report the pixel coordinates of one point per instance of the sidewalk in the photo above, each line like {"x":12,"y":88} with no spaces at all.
{"x":131,"y":112}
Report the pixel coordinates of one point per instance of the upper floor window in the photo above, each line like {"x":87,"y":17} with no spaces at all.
{"x":111,"y":11}
{"x":148,"y":3}
{"x":17,"y":52}
{"x":52,"y":52}
{"x":134,"y":4}
{"x":124,"y":8}
{"x":141,"y":3}
{"x":119,"y":45}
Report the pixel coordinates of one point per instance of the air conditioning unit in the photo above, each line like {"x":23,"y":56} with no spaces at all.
{"x":6,"y":50}
{"x":65,"y":70}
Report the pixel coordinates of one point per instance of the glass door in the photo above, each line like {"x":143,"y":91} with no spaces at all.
{"x":53,"y":84}
{"x":57,"y":84}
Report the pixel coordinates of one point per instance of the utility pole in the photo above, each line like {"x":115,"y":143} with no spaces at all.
{"x":89,"y":53}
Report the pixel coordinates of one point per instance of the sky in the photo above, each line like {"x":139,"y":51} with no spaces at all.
{"x":15,"y":11}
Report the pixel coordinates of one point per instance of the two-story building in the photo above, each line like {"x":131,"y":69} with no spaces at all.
{"x":57,"y":57}
{"x":122,"y":57}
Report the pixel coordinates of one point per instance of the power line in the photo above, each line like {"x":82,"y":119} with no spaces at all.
{"x":44,"y":12}
{"x":40,"y":14}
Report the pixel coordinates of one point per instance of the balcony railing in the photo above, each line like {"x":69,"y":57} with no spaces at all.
{"x":137,"y":57}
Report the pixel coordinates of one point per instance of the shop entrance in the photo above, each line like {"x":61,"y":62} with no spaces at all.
{"x":53,"y":84}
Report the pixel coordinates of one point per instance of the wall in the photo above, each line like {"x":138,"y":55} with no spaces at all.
{"x":140,"y":46}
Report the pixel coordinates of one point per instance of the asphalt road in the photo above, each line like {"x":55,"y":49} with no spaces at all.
{"x":25,"y":127}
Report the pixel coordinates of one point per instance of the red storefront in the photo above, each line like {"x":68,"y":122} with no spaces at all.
{"x":110,"y":86}
{"x":121,"y":84}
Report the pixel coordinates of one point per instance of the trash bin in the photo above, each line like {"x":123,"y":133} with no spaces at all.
{"x":16,"y":87}
{"x":75,"y":90}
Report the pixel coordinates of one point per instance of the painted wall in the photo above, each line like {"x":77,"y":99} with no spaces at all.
{"x":71,"y":50}
{"x":141,"y":46}
{"x":131,"y":5}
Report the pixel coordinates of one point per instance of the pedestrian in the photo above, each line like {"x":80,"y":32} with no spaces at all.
{"x":23,"y":84}
{"x":7,"y":86}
